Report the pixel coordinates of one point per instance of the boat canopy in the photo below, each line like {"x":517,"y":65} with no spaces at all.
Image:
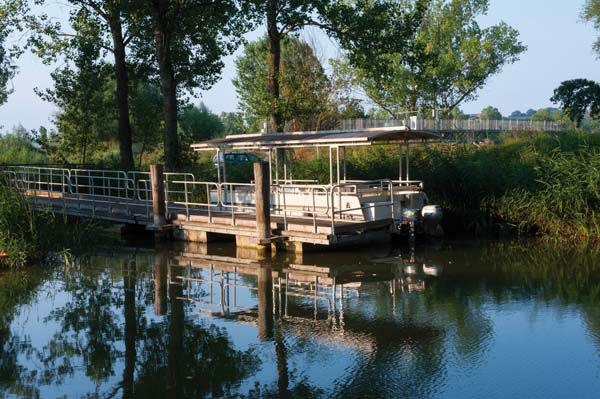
{"x":329,"y":138}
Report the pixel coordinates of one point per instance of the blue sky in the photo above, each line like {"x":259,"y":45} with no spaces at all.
{"x":559,"y":48}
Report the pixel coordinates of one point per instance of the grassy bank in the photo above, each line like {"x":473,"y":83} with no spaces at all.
{"x":27,"y":236}
{"x":535,"y":184}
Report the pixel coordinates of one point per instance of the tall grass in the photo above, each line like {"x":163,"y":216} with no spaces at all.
{"x":535,"y":183}
{"x":28,"y":236}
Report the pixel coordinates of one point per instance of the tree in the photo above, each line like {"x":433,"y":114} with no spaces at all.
{"x":8,"y":10}
{"x":362,"y":27}
{"x":282,"y":17}
{"x":304,"y":88}
{"x":591,"y":13}
{"x":517,"y":114}
{"x":576,"y":97}
{"x":490,"y":113}
{"x":547,"y":114}
{"x":80,"y":92}
{"x":452,"y":57}
{"x":103,"y":22}
{"x":146,"y":107}
{"x":199,"y":123}
{"x":233,"y":122}
{"x":182,"y":44}
{"x":458,"y":114}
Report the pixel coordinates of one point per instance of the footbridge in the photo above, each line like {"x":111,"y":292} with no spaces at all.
{"x":200,"y":211}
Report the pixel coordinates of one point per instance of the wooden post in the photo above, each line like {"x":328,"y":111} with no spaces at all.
{"x":265,"y":303}
{"x":158,"y":195}
{"x":263,"y":202}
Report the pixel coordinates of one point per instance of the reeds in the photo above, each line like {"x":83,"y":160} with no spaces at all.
{"x":27,"y":235}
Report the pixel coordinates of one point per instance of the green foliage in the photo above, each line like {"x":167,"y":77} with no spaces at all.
{"x":305,"y":89}
{"x":200,"y":34}
{"x":82,"y":92}
{"x":146,"y":117}
{"x":490,"y":113}
{"x":577,"y":97}
{"x":198,"y":123}
{"x":591,"y":13}
{"x":547,"y":114}
{"x":27,"y":235}
{"x":451,"y":58}
{"x":538,"y":183}
{"x":18,"y":147}
{"x":233,"y":122}
{"x":9,"y":12}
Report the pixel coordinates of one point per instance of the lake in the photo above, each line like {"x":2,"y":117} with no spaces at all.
{"x":453,"y":319}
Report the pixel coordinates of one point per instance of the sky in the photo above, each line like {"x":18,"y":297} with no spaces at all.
{"x":559,"y":48}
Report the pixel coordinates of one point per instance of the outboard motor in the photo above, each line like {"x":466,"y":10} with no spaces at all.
{"x":432,"y":216}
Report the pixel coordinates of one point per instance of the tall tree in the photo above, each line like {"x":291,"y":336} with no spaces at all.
{"x":108,"y":18}
{"x":363,"y":27}
{"x":146,"y":108}
{"x":490,"y":113}
{"x":591,"y":13}
{"x":199,"y":123}
{"x":578,"y":97}
{"x":80,"y":92}
{"x":305,"y":90}
{"x":183,"y":43}
{"x":9,"y":10}
{"x":451,"y":58}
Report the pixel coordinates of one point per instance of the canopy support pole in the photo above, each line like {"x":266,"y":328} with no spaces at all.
{"x":219,"y":165}
{"x":330,"y":166}
{"x":407,"y":161}
{"x":270,"y":166}
{"x":344,"y":155}
{"x":224,"y":169}
{"x":337,"y":163}
{"x":276,"y":166}
{"x":400,"y":162}
{"x":284,"y":159}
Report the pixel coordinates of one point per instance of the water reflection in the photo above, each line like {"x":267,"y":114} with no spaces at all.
{"x":216,"y":322}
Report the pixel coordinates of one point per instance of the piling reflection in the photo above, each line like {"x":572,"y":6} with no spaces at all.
{"x":197,"y":322}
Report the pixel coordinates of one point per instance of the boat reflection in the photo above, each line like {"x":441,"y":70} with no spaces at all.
{"x":308,"y":299}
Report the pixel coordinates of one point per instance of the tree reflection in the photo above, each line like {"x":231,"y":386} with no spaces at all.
{"x":172,"y":356}
{"x":121,"y":328}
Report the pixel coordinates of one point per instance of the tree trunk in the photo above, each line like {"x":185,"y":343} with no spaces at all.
{"x":122,"y":79}
{"x":168,"y":85}
{"x":274,"y":61}
{"x":129,"y":281}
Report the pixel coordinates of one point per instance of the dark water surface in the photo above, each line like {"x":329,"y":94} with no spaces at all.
{"x":452,"y":320}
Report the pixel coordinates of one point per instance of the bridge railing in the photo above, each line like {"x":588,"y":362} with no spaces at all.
{"x":455,"y":125}
{"x":190,"y":195}
{"x":131,"y":192}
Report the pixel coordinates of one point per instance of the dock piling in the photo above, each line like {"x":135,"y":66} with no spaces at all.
{"x":263,"y":204}
{"x":158,"y":197}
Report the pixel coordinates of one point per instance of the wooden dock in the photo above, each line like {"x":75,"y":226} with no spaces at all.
{"x":119,"y":198}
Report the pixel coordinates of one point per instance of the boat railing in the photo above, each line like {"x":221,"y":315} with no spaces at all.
{"x":314,"y":202}
{"x":385,"y":187}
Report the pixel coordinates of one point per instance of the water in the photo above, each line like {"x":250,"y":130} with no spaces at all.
{"x":452,"y":320}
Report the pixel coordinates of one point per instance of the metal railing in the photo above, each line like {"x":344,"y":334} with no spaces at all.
{"x":458,"y":125}
{"x":318,"y":205}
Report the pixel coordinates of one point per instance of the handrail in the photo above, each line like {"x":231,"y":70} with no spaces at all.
{"x":183,"y":194}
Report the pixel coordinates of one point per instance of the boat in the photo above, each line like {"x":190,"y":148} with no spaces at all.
{"x":398,"y":203}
